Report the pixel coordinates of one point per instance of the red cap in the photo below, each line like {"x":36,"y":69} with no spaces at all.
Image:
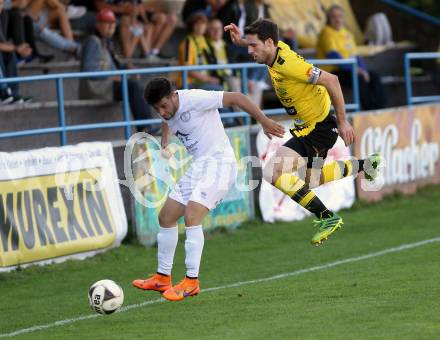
{"x":106,"y":15}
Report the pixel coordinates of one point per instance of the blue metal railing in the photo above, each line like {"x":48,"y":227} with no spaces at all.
{"x":410,"y":99}
{"x":414,"y":12}
{"x":62,"y":128}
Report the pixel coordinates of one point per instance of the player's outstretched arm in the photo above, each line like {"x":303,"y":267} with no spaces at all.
{"x":166,"y":135}
{"x":235,"y":34}
{"x":165,"y":140}
{"x":270,"y":127}
{"x":331,"y":83}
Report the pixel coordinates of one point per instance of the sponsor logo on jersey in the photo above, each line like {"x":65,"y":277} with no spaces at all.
{"x":186,"y":141}
{"x":298,"y":121}
{"x":280,"y":60}
{"x":291,"y":110}
{"x":281,"y":91}
{"x":184,"y":137}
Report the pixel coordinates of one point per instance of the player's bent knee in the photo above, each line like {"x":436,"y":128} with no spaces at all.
{"x":171,"y":19}
{"x":165,"y":220}
{"x":160,"y":18}
{"x":192,"y":219}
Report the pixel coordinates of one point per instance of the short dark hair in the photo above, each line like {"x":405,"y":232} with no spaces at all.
{"x":157,"y":89}
{"x":264,"y":29}
{"x":330,"y":11}
{"x":193,"y":19}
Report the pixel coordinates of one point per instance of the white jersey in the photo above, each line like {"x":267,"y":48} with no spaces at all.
{"x":198,"y":125}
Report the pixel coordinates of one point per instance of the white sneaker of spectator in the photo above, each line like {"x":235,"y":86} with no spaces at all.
{"x":263,"y":85}
{"x":75,"y":12}
{"x":6,"y":99}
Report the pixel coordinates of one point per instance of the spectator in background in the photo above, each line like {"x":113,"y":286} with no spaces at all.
{"x":243,"y":13}
{"x":86,"y":22}
{"x":288,"y":36}
{"x":378,"y":30}
{"x":219,"y":52}
{"x":74,"y":11}
{"x":336,"y":42}
{"x":131,"y":30}
{"x":8,"y":61}
{"x":97,"y":55}
{"x":21,"y":31}
{"x":207,"y":7}
{"x":193,"y":50}
{"x":162,"y":27}
{"x":46,"y":14}
{"x":156,"y":26}
{"x":126,"y":10}
{"x":140,"y":24}
{"x":140,"y":34}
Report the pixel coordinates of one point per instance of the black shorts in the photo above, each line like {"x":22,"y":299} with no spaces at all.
{"x":316,"y":143}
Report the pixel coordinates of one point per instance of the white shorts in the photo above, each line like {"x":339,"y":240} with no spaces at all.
{"x":207,"y":182}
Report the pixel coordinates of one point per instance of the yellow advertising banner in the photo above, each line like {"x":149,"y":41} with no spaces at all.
{"x":409,"y":141}
{"x":40,"y":219}
{"x":59,"y":203}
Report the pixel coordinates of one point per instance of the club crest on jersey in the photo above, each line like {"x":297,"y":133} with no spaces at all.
{"x":185,"y":116}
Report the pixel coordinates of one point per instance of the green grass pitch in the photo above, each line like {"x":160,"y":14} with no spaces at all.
{"x":392,"y":296}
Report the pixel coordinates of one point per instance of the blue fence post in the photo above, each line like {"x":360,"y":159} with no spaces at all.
{"x":355,"y":80}
{"x":185,"y":78}
{"x":61,"y":112}
{"x":126,"y":109}
{"x":244,"y":80}
{"x":408,"y":84}
{"x":244,"y":89}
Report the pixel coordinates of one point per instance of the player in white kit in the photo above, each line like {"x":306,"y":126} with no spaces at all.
{"x":192,"y":115}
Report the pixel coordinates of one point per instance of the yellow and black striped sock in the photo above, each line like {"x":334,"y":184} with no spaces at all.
{"x":296,"y":188}
{"x":340,"y":169}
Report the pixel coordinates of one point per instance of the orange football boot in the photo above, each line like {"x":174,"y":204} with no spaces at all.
{"x":186,"y":287}
{"x":157,"y":282}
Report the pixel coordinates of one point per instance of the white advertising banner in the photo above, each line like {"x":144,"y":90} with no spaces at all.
{"x":408,"y":140}
{"x":276,"y":206}
{"x":58,"y":203}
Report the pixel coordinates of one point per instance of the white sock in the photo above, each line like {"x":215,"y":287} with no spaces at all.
{"x":193,"y":249}
{"x":166,"y":246}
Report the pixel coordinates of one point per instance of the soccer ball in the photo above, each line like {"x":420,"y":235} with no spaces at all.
{"x":105,"y":296}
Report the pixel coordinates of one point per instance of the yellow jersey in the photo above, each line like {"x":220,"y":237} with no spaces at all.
{"x":331,"y":40}
{"x":193,"y":51}
{"x":294,"y":81}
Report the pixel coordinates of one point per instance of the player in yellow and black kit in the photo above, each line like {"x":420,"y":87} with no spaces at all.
{"x":306,"y":92}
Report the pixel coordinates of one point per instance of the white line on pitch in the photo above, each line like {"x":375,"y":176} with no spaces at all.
{"x":237,"y":284}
